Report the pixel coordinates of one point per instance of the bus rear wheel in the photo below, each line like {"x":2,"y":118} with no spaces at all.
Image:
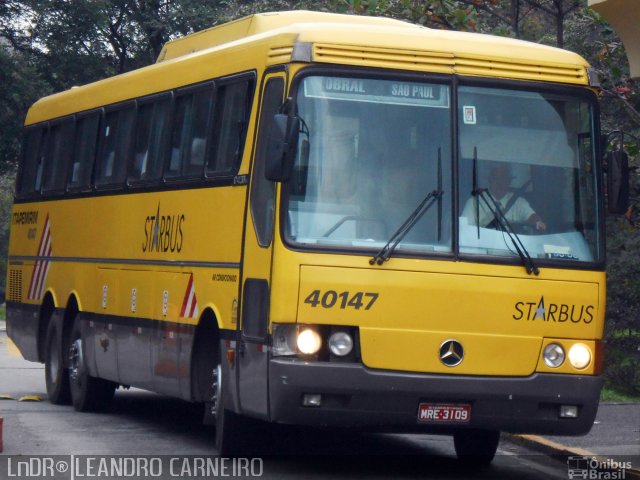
{"x":476,"y":447}
{"x":87,"y":393}
{"x":56,"y":374}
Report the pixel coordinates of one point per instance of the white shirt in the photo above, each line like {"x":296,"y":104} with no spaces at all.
{"x":519,"y":212}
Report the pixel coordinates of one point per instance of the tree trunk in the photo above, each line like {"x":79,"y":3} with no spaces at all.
{"x":515,"y":17}
{"x":560,"y":28}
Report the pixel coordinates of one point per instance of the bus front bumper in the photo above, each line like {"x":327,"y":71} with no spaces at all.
{"x":354,"y":396}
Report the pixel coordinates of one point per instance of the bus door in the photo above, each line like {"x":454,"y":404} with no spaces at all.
{"x":253,"y":348}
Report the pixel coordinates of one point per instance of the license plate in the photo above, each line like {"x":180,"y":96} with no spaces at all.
{"x":444,"y":412}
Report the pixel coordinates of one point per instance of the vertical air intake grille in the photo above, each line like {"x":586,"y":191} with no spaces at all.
{"x":15,"y":286}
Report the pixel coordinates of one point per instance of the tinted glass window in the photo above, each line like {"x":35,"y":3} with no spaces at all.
{"x":84,"y":151}
{"x":262,"y":190}
{"x":32,"y":145}
{"x":374,"y":159}
{"x":40,"y":161}
{"x":230,"y":120}
{"x":151,"y":127}
{"x":189,"y":135}
{"x":116,"y":141}
{"x":58,"y":156}
{"x":532,"y":155}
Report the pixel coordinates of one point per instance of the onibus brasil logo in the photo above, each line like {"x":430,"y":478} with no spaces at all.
{"x":588,"y":468}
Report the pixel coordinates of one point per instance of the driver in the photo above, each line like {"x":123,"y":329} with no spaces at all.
{"x":515,"y":208}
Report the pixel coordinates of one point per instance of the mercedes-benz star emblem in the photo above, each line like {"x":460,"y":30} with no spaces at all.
{"x":451,"y":353}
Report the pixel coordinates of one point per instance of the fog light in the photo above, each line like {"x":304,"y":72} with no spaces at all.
{"x":553,"y":355}
{"x":340,"y":344}
{"x":311,"y":400}
{"x":579,"y":356}
{"x":568,"y":411}
{"x":309,"y":341}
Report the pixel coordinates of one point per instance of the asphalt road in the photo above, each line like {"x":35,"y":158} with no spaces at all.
{"x":143,"y":423}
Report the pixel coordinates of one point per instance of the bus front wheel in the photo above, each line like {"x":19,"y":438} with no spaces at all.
{"x":227,"y":423}
{"x":87,"y":393}
{"x":476,"y":447}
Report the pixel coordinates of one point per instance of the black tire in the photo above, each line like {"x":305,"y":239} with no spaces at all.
{"x":209,"y":387}
{"x":230,"y":427}
{"x":476,"y":447}
{"x":88,"y":394}
{"x":56,"y":374}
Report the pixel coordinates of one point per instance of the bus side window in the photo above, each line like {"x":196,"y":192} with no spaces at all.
{"x":115,"y":145}
{"x":33,"y":141}
{"x":84,"y":151}
{"x":40,"y":160}
{"x":189,"y":135}
{"x":150,"y":135}
{"x":229,"y":127}
{"x":58,"y":157}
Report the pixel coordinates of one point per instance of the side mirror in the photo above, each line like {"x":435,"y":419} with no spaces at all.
{"x":618,"y":181}
{"x":281,"y":149}
{"x":300,"y":172}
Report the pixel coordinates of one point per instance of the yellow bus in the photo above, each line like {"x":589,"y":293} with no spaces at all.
{"x":325,"y":220}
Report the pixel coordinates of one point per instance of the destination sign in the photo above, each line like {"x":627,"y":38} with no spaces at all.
{"x":377,"y":91}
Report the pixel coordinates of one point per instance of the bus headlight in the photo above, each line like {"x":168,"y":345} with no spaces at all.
{"x":284,"y":340}
{"x":553,"y":355}
{"x":308,"y":341}
{"x":340,"y":344}
{"x":579,"y":356}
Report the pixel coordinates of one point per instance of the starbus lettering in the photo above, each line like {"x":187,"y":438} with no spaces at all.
{"x":163,"y":233}
{"x":553,"y":312}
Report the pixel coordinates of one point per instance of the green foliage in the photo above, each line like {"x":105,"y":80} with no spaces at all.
{"x":612,"y":395}
{"x":21,"y":86}
{"x":622,"y":352}
{"x":449,"y":14}
{"x":7,"y":181}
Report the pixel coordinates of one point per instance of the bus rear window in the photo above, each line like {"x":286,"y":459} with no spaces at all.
{"x":33,"y":144}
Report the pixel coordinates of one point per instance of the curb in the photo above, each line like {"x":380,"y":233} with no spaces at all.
{"x":551,"y":448}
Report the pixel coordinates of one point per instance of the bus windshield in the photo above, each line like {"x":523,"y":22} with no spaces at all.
{"x":373,"y":149}
{"x":533,"y":153}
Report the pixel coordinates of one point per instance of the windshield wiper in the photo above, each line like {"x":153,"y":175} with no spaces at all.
{"x":494,"y":207}
{"x":385,"y":252}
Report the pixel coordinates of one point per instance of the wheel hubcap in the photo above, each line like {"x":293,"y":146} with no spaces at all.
{"x":216,"y":400}
{"x":76,"y":362}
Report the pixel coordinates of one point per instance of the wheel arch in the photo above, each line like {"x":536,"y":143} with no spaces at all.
{"x":47,"y":307}
{"x":70,"y":312}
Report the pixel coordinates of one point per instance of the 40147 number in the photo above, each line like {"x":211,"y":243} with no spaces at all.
{"x":331,"y":299}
